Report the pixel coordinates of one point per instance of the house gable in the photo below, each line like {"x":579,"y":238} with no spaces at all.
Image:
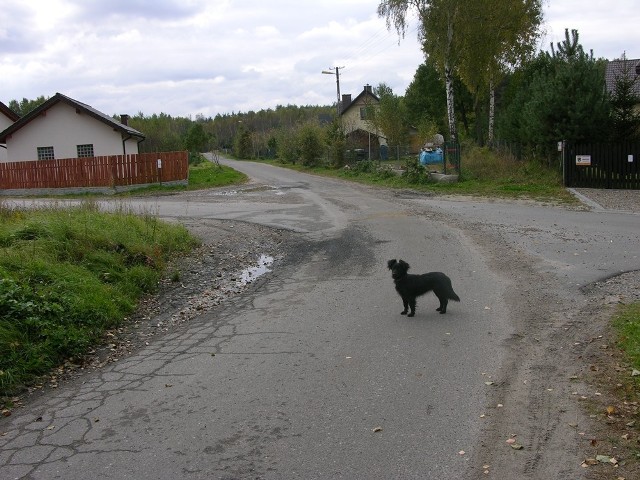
{"x":7,"y":116}
{"x":64,"y":126}
{"x":353,"y":114}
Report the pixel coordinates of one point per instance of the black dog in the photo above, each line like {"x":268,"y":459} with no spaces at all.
{"x":412,"y":286}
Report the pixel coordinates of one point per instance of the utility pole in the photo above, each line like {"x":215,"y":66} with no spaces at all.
{"x":328,"y":72}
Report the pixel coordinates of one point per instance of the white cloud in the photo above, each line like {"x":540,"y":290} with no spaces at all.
{"x":185,"y":57}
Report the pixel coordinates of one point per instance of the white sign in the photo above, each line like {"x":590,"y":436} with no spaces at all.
{"x":630,"y":158}
{"x":159,"y":163}
{"x":583,"y":159}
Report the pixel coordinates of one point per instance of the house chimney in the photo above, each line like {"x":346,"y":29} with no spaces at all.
{"x":346,"y":100}
{"x":367,"y":88}
{"x":124,"y":119}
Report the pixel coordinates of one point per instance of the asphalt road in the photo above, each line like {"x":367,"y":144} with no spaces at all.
{"x":316,"y":375}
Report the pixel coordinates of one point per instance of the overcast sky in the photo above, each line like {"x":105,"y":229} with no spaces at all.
{"x":189,"y":57}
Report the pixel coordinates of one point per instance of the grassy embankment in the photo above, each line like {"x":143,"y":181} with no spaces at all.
{"x":69,"y":275}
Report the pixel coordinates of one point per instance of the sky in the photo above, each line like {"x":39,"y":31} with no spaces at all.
{"x":208,"y":57}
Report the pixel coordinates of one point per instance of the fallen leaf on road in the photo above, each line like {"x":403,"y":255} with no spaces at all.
{"x":611,"y":410}
{"x":377,"y":429}
{"x":516,"y":446}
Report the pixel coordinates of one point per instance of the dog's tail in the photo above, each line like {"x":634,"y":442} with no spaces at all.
{"x":451,"y":295}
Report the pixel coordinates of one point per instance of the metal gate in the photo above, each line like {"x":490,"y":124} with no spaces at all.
{"x":602,"y":165}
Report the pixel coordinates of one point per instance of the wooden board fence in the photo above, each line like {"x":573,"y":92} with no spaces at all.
{"x":107,"y":171}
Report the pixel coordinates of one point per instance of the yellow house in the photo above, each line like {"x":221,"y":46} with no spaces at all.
{"x":361,"y":135}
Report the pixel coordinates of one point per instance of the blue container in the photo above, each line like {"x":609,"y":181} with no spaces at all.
{"x":430,"y":157}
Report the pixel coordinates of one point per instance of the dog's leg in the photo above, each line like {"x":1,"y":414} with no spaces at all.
{"x":405,"y":302}
{"x":443,"y":305}
{"x":412,"y":305}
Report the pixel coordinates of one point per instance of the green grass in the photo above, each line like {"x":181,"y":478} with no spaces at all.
{"x":483,"y":173}
{"x":202,"y":175}
{"x":627,"y":324}
{"x":67,"y":276}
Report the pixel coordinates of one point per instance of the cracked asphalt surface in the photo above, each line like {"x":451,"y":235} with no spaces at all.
{"x":310,"y":372}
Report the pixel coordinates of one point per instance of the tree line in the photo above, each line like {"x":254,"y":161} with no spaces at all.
{"x":482,"y":81}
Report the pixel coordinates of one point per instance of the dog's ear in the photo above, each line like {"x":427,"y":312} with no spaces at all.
{"x":391,"y":263}
{"x":404,"y":264}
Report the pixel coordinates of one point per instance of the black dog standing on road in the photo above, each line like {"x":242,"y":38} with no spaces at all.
{"x":412,"y":286}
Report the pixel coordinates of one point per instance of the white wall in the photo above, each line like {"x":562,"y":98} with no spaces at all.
{"x":64,"y":129}
{"x":5,"y":122}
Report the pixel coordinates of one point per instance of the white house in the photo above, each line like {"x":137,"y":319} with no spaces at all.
{"x":7,"y":118}
{"x":64,"y":128}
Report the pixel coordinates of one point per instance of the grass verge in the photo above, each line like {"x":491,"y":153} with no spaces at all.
{"x":202,"y":175}
{"x":483,"y":173}
{"x":67,"y":276}
{"x":627,"y":324}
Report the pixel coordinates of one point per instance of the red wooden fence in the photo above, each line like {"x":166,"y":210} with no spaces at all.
{"x":107,"y":171}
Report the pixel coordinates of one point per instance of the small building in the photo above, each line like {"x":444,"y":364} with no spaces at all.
{"x":616,"y":69}
{"x":7,"y":118}
{"x":65,"y":128}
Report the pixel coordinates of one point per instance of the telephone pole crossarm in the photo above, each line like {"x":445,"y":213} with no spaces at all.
{"x":337,"y":73}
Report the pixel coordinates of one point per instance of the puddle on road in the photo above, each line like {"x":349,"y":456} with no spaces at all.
{"x":250,"y":190}
{"x":250,"y":274}
{"x":275,"y":189}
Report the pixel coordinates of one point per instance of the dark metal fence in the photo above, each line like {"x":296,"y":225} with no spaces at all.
{"x":451,"y":162}
{"x":602,"y":165}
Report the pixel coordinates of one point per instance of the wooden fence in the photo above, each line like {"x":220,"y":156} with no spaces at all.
{"x":595,"y":165}
{"x":110,"y":171}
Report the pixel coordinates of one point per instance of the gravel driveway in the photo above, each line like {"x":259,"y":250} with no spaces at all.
{"x":607,"y":199}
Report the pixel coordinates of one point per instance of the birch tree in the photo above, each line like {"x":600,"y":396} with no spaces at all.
{"x":438,"y":24}
{"x":496,"y":37}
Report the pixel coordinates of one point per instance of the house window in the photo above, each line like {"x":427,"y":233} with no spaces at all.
{"x":45,"y":153}
{"x":363,"y":113}
{"x":85,"y":150}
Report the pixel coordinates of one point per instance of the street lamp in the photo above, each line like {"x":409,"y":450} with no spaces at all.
{"x":329,"y":72}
